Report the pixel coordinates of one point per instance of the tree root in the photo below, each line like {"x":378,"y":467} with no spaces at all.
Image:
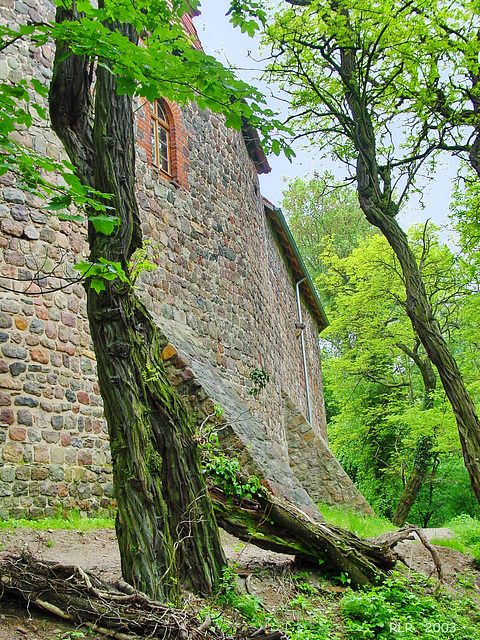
{"x":71,"y":593}
{"x":406,"y":533}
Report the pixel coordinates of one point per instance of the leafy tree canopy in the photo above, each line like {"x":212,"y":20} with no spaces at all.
{"x":323,"y":212}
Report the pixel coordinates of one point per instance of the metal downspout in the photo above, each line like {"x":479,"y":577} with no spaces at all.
{"x":301,"y":326}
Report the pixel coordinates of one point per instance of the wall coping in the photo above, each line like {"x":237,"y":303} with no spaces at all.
{"x":295,"y":262}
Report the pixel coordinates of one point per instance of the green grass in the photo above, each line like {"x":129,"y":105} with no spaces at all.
{"x":72,"y":520}
{"x":363,"y":526}
{"x":451,"y":543}
{"x":466,"y":532}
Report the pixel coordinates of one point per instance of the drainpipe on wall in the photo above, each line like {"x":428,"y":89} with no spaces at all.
{"x":301,"y":326}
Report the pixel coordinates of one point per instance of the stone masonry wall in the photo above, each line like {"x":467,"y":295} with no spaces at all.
{"x":220,"y":277}
{"x":221,"y":272}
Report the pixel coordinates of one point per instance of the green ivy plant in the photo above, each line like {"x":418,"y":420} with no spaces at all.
{"x":259,"y":377}
{"x":225,"y":472}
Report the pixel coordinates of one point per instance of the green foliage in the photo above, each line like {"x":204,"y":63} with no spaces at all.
{"x":375,"y":389}
{"x":316,"y":627}
{"x":140,"y":262}
{"x":223,"y":470}
{"x":249,"y":16}
{"x":467,"y":533}
{"x":21,"y":106}
{"x":467,"y":579}
{"x":363,"y":526}
{"x":247,"y":605}
{"x":465,"y":209}
{"x":325,"y":218}
{"x":72,"y":635}
{"x":165,"y":63}
{"x":260,"y":377}
{"x":97,"y":272}
{"x":227,"y":589}
{"x":400,"y":606}
{"x":226,"y":473}
{"x":452,"y":494}
{"x":308,"y":46}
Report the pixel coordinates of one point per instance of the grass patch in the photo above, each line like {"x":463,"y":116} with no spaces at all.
{"x":71,"y":520}
{"x":364,"y":526}
{"x":466,"y":532}
{"x":451,"y":543}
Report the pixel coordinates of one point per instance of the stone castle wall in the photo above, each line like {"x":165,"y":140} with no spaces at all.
{"x":221,"y":278}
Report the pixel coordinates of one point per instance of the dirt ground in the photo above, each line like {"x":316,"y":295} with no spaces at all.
{"x":261,"y":573}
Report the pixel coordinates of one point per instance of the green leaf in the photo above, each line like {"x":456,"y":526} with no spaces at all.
{"x":104,"y":224}
{"x":41,"y":89}
{"x":97,"y":285}
{"x":233,"y":120}
{"x":59,"y":202}
{"x":71,"y":217}
{"x":276,"y":147}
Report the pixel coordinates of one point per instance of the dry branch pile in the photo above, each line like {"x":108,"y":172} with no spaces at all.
{"x":117,"y":611}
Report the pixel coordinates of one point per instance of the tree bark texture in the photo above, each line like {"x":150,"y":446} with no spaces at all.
{"x":166,"y":530}
{"x":423,"y":448}
{"x":420,"y":313}
{"x":271,"y":523}
{"x":409,"y":495}
{"x":376,"y":199}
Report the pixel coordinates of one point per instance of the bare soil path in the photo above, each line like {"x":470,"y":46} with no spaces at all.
{"x":262,"y":573}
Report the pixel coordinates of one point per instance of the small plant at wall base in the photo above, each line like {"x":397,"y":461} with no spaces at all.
{"x":259,"y":377}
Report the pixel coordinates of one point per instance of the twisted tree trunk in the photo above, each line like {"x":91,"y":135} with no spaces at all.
{"x":420,"y":313}
{"x":167,"y":533}
{"x":376,"y":198}
{"x":421,"y":461}
{"x":166,"y":529}
{"x":423,"y":448}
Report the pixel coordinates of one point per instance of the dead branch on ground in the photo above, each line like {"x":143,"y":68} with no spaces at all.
{"x":117,"y":611}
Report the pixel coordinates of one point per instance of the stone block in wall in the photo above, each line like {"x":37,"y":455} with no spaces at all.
{"x":315,"y":466}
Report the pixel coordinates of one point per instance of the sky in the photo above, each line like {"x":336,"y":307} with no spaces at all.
{"x":227,"y":44}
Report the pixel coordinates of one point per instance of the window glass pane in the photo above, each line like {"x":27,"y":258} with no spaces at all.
{"x":163,"y":148}
{"x":160,"y":112}
{"x":153,"y":140}
{"x":160,"y":138}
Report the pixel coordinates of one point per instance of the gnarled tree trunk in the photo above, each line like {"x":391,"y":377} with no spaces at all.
{"x":376,"y":198}
{"x":166,"y":529}
{"x":420,"y":313}
{"x":423,"y":448}
{"x":421,"y":461}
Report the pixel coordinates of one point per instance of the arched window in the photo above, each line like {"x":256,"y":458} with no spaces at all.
{"x":161,"y":139}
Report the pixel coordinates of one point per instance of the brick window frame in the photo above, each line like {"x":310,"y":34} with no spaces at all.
{"x":161,"y":139}
{"x":178,"y":140}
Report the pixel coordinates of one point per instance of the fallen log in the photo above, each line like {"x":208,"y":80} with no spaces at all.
{"x":117,"y":611}
{"x":273,"y":524}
